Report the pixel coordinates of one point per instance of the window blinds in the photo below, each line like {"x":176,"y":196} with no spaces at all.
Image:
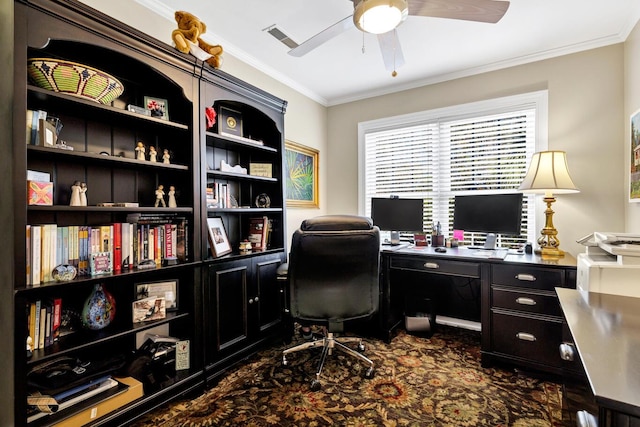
{"x":441,"y":158}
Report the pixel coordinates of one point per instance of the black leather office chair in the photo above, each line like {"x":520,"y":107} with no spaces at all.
{"x":333,"y":277}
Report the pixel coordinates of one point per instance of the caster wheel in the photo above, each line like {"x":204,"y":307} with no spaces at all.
{"x":285,"y":362}
{"x":315,"y":385}
{"x":369,"y":373}
{"x":361,"y":348}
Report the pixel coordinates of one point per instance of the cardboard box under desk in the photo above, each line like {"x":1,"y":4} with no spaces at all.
{"x":135,"y":391}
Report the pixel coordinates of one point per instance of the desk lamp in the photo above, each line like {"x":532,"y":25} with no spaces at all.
{"x":548,"y":174}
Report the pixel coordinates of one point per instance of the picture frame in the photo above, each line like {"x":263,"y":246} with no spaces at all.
{"x":157,"y":107}
{"x":301,"y":174}
{"x":634,"y":164}
{"x":229,"y":122}
{"x":218,"y":240}
{"x":167,"y":289}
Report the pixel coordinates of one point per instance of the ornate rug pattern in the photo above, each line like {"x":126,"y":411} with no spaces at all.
{"x":435,"y":381}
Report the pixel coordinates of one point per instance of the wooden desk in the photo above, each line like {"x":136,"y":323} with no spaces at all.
{"x":520,"y":318}
{"x":606,"y":332}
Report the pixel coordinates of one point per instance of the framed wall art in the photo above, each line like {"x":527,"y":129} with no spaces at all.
{"x":218,"y":239}
{"x":167,"y":289}
{"x":301,"y":164}
{"x":634,"y":170}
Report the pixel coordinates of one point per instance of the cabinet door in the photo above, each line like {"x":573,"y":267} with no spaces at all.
{"x":268,"y":297}
{"x":227,"y":304}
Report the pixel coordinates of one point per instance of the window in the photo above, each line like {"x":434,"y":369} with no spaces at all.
{"x":479,"y":148}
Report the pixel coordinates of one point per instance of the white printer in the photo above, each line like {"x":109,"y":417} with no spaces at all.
{"x":610,"y":264}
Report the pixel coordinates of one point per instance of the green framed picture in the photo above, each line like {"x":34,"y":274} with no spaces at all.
{"x":301,"y":164}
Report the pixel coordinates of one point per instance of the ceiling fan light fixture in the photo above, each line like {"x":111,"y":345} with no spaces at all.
{"x":379,"y":16}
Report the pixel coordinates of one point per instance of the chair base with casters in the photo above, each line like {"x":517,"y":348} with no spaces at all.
{"x":328,"y":343}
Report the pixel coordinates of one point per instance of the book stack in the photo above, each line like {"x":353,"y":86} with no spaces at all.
{"x":259,"y":233}
{"x":44,"y":319}
{"x":105,"y":249}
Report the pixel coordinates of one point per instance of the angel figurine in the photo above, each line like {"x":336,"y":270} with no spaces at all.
{"x":140,"y":151}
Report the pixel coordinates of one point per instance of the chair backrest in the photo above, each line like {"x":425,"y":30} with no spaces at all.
{"x":334,"y":269}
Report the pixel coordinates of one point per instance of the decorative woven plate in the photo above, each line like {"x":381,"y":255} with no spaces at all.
{"x":74,"y":79}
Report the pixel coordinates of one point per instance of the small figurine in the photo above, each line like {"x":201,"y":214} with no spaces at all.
{"x":83,"y":194}
{"x":172,"y":197}
{"x":140,"y":151}
{"x":160,"y":196}
{"x":75,"y":194}
{"x":153,"y":154}
{"x":166,"y":156}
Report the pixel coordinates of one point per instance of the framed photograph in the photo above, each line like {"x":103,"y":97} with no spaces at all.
{"x":147,"y":309}
{"x":218,"y":239}
{"x":634,"y":170}
{"x":167,"y":289}
{"x":230,"y":122}
{"x":301,"y":173}
{"x":157,"y":107}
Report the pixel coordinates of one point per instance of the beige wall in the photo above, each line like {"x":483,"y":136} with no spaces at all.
{"x":585,"y":106}
{"x":632,"y":104}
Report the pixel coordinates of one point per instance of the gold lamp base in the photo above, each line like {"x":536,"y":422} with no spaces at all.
{"x":548,"y":241}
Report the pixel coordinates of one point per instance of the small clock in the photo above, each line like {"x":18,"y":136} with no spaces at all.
{"x":263,"y":201}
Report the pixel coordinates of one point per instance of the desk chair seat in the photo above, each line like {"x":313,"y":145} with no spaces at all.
{"x":333,"y":278}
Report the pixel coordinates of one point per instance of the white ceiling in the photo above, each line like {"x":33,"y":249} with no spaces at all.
{"x":434,"y":49}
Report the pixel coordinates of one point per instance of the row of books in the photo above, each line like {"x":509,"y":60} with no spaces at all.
{"x":44,"y":322}
{"x":218,"y":196}
{"x":259,"y":232}
{"x":105,"y":249}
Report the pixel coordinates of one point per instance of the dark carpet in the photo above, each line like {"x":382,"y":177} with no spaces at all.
{"x":435,"y":381}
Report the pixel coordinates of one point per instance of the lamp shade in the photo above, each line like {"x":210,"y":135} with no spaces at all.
{"x":379,"y":16}
{"x":548,"y":173}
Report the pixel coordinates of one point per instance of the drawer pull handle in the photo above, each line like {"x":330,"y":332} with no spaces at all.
{"x":524,"y":336}
{"x":525,"y":301}
{"x":433,"y":265}
{"x":526,"y":277}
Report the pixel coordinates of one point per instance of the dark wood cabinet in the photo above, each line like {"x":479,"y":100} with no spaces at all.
{"x":242,"y":304}
{"x":246,"y":309}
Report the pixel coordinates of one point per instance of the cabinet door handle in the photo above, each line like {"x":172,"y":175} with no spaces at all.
{"x":526,"y":277}
{"x":525,"y":301}
{"x":525,"y":336}
{"x":250,"y":300}
{"x":432,"y":265}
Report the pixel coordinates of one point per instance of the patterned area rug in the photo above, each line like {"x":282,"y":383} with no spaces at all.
{"x":435,"y":381}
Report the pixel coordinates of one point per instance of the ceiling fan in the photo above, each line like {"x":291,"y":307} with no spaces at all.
{"x":381,"y":17}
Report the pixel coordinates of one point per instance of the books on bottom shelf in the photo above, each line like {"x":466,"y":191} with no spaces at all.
{"x":86,"y":402}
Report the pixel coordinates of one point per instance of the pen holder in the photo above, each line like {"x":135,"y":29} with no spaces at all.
{"x":437,"y":240}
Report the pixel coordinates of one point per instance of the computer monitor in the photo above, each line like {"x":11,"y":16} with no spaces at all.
{"x":489,"y":213}
{"x":397,"y":215}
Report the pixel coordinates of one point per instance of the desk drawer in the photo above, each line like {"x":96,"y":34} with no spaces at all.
{"x":437,"y":266}
{"x":530,"y":301}
{"x":530,"y":338}
{"x":527,"y":276}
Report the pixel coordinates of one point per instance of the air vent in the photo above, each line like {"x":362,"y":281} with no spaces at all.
{"x":278,"y":34}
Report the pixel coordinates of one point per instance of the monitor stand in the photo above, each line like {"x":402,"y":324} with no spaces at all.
{"x":490,"y":243}
{"x":395,"y":237}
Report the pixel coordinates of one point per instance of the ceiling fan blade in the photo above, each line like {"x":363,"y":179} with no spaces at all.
{"x":490,"y":11}
{"x":323,"y":37}
{"x":391,"y":50}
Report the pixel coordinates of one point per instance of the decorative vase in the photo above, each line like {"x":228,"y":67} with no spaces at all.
{"x":99,"y":309}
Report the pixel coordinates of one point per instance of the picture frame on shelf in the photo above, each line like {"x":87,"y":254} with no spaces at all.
{"x":147,"y":309}
{"x":261,"y":169}
{"x":167,"y":289}
{"x":157,"y":107}
{"x":218,"y":240}
{"x":230,"y":122}
{"x":301,"y":173}
{"x":634,"y":167}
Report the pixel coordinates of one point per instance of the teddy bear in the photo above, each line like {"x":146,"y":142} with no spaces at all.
{"x":190,"y":28}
